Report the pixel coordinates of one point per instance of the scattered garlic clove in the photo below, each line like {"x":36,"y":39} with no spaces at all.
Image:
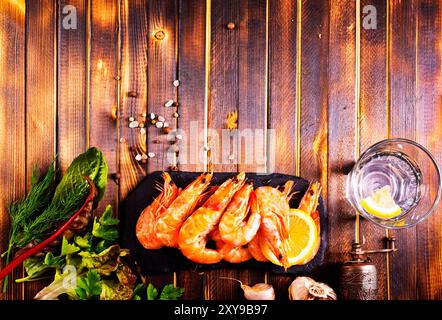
{"x":260,"y":291}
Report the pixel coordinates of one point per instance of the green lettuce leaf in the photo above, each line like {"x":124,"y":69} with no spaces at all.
{"x":104,"y":262}
{"x":35,"y":269}
{"x":90,"y":163}
{"x":107,"y":218}
{"x":102,"y":245}
{"x":64,"y":283}
{"x":75,"y":261}
{"x":125,"y":275}
{"x":38,"y":267}
{"x":113,"y":290}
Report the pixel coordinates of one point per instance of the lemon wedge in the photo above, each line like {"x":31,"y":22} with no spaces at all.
{"x":301,"y":242}
{"x":381,"y":204}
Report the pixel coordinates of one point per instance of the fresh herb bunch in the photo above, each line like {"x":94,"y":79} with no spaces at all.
{"x":36,"y":216}
{"x":91,"y":261}
{"x":68,"y":197}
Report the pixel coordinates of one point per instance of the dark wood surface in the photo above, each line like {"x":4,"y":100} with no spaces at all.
{"x":374,"y":116}
{"x":403,"y":124}
{"x":429,"y":118}
{"x":41,"y":90}
{"x":319,"y":86}
{"x":12,"y":121}
{"x":284,"y":155}
{"x":342,"y":130}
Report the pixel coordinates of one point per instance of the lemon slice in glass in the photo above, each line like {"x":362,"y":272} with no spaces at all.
{"x":381,"y":204}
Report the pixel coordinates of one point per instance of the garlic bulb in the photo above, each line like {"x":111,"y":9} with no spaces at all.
{"x":260,"y":291}
{"x":305,"y":288}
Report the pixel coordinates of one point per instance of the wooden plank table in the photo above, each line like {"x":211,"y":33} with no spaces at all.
{"x":316,"y":82}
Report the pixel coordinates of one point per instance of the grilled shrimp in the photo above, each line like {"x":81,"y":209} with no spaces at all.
{"x":230,"y":253}
{"x":145,"y":228}
{"x":234,"y":254}
{"x":274,"y":209}
{"x":255,"y":249}
{"x":194,"y":231}
{"x":170,"y":222}
{"x":310,"y":201}
{"x":206,"y":195}
{"x":233,"y":227}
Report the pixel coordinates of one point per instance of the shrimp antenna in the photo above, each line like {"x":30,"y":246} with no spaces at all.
{"x":159,"y":186}
{"x":287,"y":190}
{"x":227,"y":278}
{"x":206,"y":194}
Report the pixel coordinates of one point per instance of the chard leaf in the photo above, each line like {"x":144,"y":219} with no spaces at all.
{"x":90,"y":163}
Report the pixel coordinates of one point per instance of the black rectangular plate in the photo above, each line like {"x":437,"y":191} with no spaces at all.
{"x":171,"y":259}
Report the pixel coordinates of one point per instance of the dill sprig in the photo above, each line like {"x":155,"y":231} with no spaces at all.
{"x":57,"y":212}
{"x":23,"y":211}
{"x":38,"y":198}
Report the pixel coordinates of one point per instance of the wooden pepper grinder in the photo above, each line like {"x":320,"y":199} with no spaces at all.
{"x":358,"y":277}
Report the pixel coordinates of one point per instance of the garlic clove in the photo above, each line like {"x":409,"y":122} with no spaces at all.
{"x":260,"y":291}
